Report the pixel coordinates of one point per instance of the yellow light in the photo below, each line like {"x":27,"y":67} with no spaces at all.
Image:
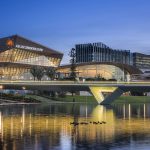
{"x":23,"y":87}
{"x":1,"y":87}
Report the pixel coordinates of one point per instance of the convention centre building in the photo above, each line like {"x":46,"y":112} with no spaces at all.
{"x":18,"y":55}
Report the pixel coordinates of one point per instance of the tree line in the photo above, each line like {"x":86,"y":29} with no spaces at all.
{"x":38,"y":72}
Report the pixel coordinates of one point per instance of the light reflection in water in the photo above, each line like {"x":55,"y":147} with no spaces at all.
{"x":48,"y":127}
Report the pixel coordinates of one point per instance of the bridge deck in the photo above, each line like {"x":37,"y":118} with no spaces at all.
{"x":96,"y":88}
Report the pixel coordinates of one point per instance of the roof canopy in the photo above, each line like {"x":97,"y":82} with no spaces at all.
{"x":19,"y":42}
{"x":125,"y":67}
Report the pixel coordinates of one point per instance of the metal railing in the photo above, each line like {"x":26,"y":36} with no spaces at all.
{"x":70,"y":82}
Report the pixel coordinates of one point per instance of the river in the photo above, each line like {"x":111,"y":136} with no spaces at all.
{"x":48,"y":127}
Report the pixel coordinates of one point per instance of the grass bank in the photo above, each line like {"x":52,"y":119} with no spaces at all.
{"x":11,"y":98}
{"x":75,"y":99}
{"x":132,"y":99}
{"x":91,"y":99}
{"x":40,"y":98}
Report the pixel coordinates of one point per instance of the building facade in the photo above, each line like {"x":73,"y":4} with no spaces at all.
{"x":141,"y":61}
{"x":18,"y":55}
{"x":106,"y":70}
{"x":99,"y":52}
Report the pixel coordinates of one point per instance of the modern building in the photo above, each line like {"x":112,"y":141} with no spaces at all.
{"x":106,"y":70}
{"x":99,"y":52}
{"x":141,"y":61}
{"x":18,"y":55}
{"x":97,"y":59}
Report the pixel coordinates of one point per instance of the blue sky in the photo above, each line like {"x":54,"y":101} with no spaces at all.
{"x":60,"y":24}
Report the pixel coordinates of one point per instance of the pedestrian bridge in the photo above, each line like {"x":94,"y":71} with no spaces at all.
{"x":97,"y":88}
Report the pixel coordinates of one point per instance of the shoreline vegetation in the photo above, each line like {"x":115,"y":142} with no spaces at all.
{"x":11,"y":98}
{"x":90,"y":99}
{"x":27,"y":99}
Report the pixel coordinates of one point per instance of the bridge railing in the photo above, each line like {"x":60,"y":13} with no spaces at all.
{"x":70,"y":82}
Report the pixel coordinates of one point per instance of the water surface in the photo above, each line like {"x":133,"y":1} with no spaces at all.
{"x":37,"y":127}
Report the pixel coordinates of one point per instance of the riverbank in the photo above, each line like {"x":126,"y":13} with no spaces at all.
{"x":91,"y":99}
{"x":76,"y":99}
{"x":12,"y":99}
{"x":132,"y":99}
{"x":71,"y":99}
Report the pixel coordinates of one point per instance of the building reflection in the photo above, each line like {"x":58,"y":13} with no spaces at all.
{"x":129,"y":111}
{"x":32,"y":128}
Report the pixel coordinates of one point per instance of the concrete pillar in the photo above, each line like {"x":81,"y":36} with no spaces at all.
{"x":98,"y":92}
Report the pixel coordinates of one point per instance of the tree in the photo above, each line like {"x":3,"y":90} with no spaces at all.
{"x":72,"y":54}
{"x":37,"y":72}
{"x":99,"y":77}
{"x":33,"y":71}
{"x":58,"y":75}
{"x":51,"y":72}
{"x":40,"y":72}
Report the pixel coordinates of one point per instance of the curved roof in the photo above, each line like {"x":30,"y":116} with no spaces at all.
{"x":128,"y":68}
{"x":18,"y":42}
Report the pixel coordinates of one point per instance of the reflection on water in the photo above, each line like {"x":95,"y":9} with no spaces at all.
{"x":36,"y":127}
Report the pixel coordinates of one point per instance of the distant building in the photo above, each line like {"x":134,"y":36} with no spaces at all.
{"x":141,"y":61}
{"x":99,"y":52}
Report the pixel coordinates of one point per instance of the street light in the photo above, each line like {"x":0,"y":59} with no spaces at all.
{"x":24,"y":88}
{"x":1,"y":88}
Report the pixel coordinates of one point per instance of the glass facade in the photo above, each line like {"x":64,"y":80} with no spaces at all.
{"x":18,"y":55}
{"x":99,"y":52}
{"x":141,"y":61}
{"x":28,"y":57}
{"x":9,"y":72}
{"x":91,"y":71}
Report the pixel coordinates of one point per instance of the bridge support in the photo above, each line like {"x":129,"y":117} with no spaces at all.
{"x":101,"y":99}
{"x":114,"y":95}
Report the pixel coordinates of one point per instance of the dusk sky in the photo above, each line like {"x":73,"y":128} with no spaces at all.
{"x":60,"y":24}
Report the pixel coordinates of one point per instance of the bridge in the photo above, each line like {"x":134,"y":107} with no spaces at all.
{"x":97,"y":88}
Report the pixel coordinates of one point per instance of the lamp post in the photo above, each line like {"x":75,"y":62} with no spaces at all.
{"x":1,"y":88}
{"x":23,"y":90}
